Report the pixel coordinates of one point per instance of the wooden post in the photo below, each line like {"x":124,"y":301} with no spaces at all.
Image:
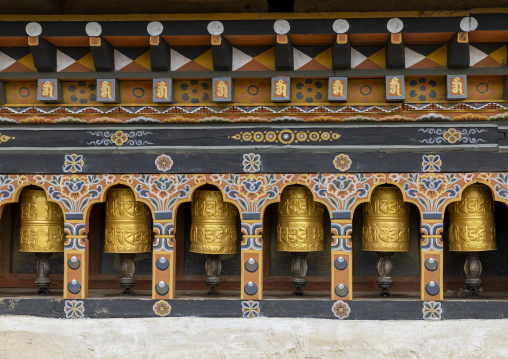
{"x":76,"y":259}
{"x":431,"y":259}
{"x":252,"y":260}
{"x":164,"y":263}
{"x":342,"y":259}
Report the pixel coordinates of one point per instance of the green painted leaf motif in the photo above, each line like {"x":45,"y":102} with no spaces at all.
{"x":93,"y":179}
{"x":66,"y":203}
{"x":5,"y":180}
{"x":260,"y":203}
{"x":412,"y":177}
{"x":333,"y":202}
{"x":350,"y":202}
{"x":423,"y":203}
{"x":243,"y":204}
{"x":171,"y":203}
{"x":440,"y":202}
{"x":144,"y":179}
{"x":360,"y":177}
{"x":451,"y":178}
{"x":56,"y":180}
{"x":83,"y":204}
{"x":182,"y":179}
{"x":154,"y":203}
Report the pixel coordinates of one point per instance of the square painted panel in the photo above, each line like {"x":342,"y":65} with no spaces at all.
{"x":456,"y":87}
{"x":337,"y":89}
{"x":49,"y":90}
{"x":222,"y":89}
{"x":162,"y":90}
{"x":107,"y":91}
{"x":281,"y":89}
{"x":395,"y":88}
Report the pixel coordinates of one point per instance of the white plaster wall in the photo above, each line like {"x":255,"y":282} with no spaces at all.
{"x":29,"y":337}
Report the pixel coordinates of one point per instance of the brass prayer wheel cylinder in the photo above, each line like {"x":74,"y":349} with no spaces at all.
{"x":300,"y":227}
{"x":213,"y":228}
{"x":386,"y":222}
{"x":42,"y":223}
{"x":128,"y":223}
{"x":472,"y":227}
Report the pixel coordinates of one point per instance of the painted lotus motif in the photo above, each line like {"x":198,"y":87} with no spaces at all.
{"x":252,"y":187}
{"x":75,"y":187}
{"x":163,"y":186}
{"x":432,"y":186}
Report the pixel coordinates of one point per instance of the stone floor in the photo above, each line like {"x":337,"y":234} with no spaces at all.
{"x":31,"y":337}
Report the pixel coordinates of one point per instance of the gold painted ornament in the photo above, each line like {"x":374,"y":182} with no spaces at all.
{"x":42,"y":223}
{"x":472,"y":227}
{"x":300,"y":227}
{"x":213,"y":228}
{"x":386,"y":221}
{"x":128,"y":223}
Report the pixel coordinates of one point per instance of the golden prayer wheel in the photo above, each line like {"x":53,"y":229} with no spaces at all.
{"x":42,"y":223}
{"x":386,"y":222}
{"x":213,"y":228}
{"x":300,"y":227}
{"x":472,"y":227}
{"x":128,"y":223}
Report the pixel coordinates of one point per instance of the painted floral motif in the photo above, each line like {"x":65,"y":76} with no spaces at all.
{"x":309,"y":90}
{"x":119,"y":138}
{"x":342,"y":162}
{"x":164,"y":163}
{"x":74,"y":187}
{"x":341,"y":309}
{"x":431,"y":163}
{"x":251,"y":162}
{"x":83,"y":92}
{"x":162,"y":308}
{"x":163,"y":185}
{"x":6,"y":187}
{"x":252,"y":91}
{"x":73,"y":163}
{"x":74,"y":309}
{"x":250,"y":309}
{"x":432,"y":310}
{"x":252,"y":187}
{"x":342,"y":190}
{"x":422,"y":90}
{"x":432,"y":186}
{"x":452,"y":135}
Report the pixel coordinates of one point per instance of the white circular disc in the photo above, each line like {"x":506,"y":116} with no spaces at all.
{"x":154,"y":28}
{"x":33,"y":29}
{"x":395,"y":25}
{"x":340,"y":26}
{"x":281,"y":27}
{"x":468,"y":24}
{"x":93,"y":29}
{"x":215,"y":28}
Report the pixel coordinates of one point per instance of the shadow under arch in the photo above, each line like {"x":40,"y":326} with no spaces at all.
{"x":406,"y":265}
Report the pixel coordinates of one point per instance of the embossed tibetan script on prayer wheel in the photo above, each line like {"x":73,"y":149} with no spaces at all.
{"x":213,"y":228}
{"x":128,"y":231}
{"x":128,"y":223}
{"x":41,"y":231}
{"x":42,"y":223}
{"x":386,"y":222}
{"x":300,"y":227}
{"x":213,"y":232}
{"x":385,"y":231}
{"x":472,"y":227}
{"x":300,"y":230}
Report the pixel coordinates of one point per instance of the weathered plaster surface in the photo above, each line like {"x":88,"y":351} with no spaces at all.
{"x":30,"y":337}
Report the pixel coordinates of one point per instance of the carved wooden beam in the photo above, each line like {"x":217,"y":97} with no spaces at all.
{"x":43,"y":53}
{"x":222,"y":53}
{"x":284,"y":53}
{"x":102,"y":53}
{"x":160,"y":54}
{"x":458,"y":50}
{"x":341,"y":52}
{"x":395,"y":58}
